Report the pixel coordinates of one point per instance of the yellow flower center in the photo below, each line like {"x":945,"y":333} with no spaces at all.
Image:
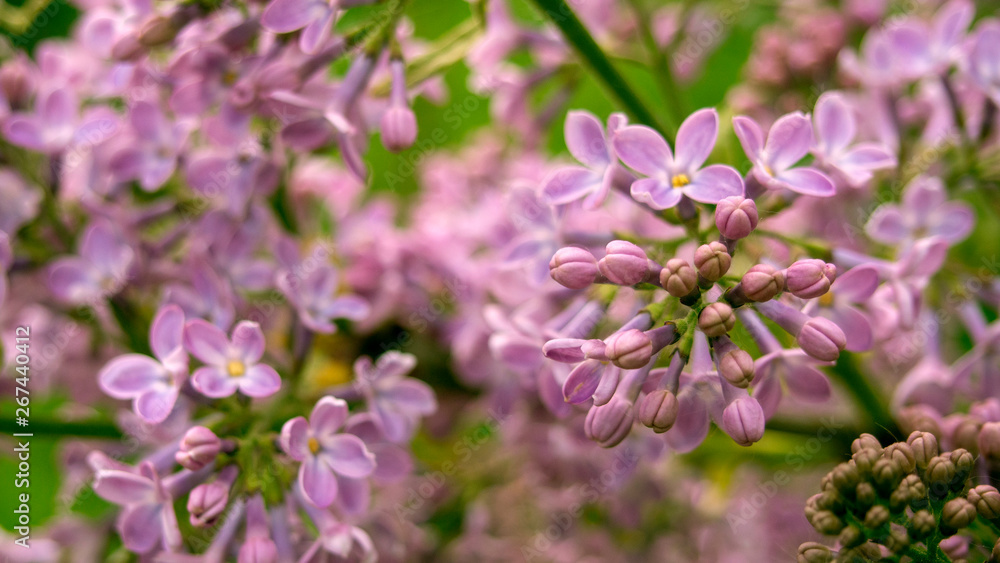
{"x":680,"y":180}
{"x":768,"y":170}
{"x":236,"y":368}
{"x":826,"y":300}
{"x":313,"y":445}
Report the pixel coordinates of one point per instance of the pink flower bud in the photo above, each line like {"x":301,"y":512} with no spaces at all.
{"x":822,"y":339}
{"x":744,"y":421}
{"x":198,"y":448}
{"x":624,"y":264}
{"x":736,"y":217}
{"x":809,"y":278}
{"x":712,"y":260}
{"x":736,"y":366}
{"x":658,"y":410}
{"x":573,"y":267}
{"x":206,"y":502}
{"x":989,"y":442}
{"x":398,"y":128}
{"x":630,"y":349}
{"x":762,"y":283}
{"x":717,"y":319}
{"x":16,"y":81}
{"x":678,"y":278}
{"x":609,"y":424}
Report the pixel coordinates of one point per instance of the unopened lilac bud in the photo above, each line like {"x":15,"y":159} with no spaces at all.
{"x":922,"y":524}
{"x":630,"y":349}
{"x":762,"y":283}
{"x":736,"y":217}
{"x":573,"y":267}
{"x":964,"y":463}
{"x":986,"y":499}
{"x":920,"y":417}
{"x":198,"y":448}
{"x":965,"y":434}
{"x":866,"y":442}
{"x":658,"y":410}
{"x":850,"y":536}
{"x":813,"y":552}
{"x":822,"y":339}
{"x":679,"y":278}
{"x":865,"y":495}
{"x":127,"y":48}
{"x":398,"y":127}
{"x":827,"y":522}
{"x":845,"y":477}
{"x":712,"y":261}
{"x":609,"y":424}
{"x":989,"y":442}
{"x":809,"y":278}
{"x":716,"y":320}
{"x":902,"y":454}
{"x":865,"y":460}
{"x":924,"y":446}
{"x":940,"y":473}
{"x":206,"y":502}
{"x":743,"y":420}
{"x":624,"y":263}
{"x":258,"y":550}
{"x":737,"y":367}
{"x":876,"y":516}
{"x":886,"y":474}
{"x":158,"y":30}
{"x":957,"y":514}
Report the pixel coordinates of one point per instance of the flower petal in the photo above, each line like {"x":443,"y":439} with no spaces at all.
{"x":750,"y":135}
{"x":643,"y":150}
{"x":295,"y":438}
{"x":585,"y":139}
{"x":410,"y":395}
{"x":953,"y":221}
{"x":696,"y":139}
{"x":206,"y":342}
{"x":857,"y":284}
{"x":655,"y":193}
{"x":167,"y":332}
{"x":567,"y":185}
{"x":140,"y":527}
{"x":327,"y":417}
{"x":154,"y":406}
{"x":124,"y":488}
{"x":788,"y":141}
{"x":248,"y":341}
{"x":128,"y":376}
{"x":808,"y":181}
{"x":714,"y":183}
{"x":212,"y":382}
{"x":887,"y":225}
{"x":260,"y":380}
{"x":856,"y":327}
{"x":318,"y":482}
{"x":583,"y":381}
{"x":806,"y":383}
{"x":835,"y":125}
{"x":347,"y":455}
{"x":285,"y":16}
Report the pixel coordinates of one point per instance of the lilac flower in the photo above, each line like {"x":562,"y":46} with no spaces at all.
{"x":836,"y":129}
{"x":152,"y":383}
{"x":670,"y":177}
{"x":258,"y":545}
{"x":923,"y":49}
{"x":326,"y":455}
{"x":156,"y":144}
{"x":315,"y":299}
{"x":52,"y":126}
{"x":316,"y":16}
{"x":232,"y":364}
{"x":342,"y":540}
{"x":21,"y":202}
{"x":923,"y":212}
{"x":396,"y":402}
{"x":840,"y":305}
{"x":100,"y":270}
{"x":788,"y":140}
{"x":588,"y":142}
{"x":148,"y":515}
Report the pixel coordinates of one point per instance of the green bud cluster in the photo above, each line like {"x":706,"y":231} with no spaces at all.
{"x":903,"y":498}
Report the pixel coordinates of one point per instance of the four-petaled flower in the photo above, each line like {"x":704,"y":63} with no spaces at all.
{"x":397,"y":402}
{"x":924,"y":212}
{"x":836,"y":129}
{"x":152,"y":383}
{"x":670,"y":177}
{"x":774,"y":160}
{"x":591,"y":146}
{"x":231,"y":365}
{"x":326,"y":455}
{"x":100,"y":270}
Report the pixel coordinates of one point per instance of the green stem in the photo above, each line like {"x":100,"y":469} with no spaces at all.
{"x":874,"y":406}
{"x":577,"y":35}
{"x":39,"y":426}
{"x":661,"y":64}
